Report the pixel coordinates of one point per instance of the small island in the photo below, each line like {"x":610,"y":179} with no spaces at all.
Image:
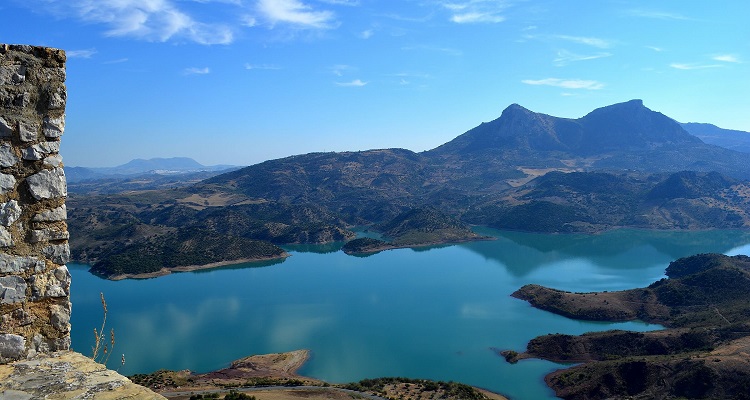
{"x":418,"y":227}
{"x":702,"y":353}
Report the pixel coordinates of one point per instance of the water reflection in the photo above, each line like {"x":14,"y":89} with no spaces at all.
{"x":522,"y":253}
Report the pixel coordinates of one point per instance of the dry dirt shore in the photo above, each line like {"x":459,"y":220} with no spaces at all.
{"x":188,"y":268}
{"x":274,"y":377}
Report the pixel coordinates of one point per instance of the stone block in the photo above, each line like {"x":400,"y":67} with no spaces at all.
{"x":45,"y":235}
{"x":53,"y":127}
{"x":8,"y":157}
{"x":40,"y":150}
{"x":54,"y":215}
{"x":57,"y":98}
{"x":12,"y":347}
{"x":53,"y":284}
{"x":53,"y":161}
{"x":7,"y":183}
{"x":10,"y":264}
{"x":5,"y":238}
{"x":9,"y":212}
{"x":60,"y":317}
{"x":48,"y":184}
{"x":12,"y":289}
{"x":6,"y":130}
{"x":12,"y":74}
{"x":28,"y":131}
{"x":57,"y":253}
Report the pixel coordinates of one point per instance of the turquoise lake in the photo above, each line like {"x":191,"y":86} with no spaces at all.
{"x":433,"y":313}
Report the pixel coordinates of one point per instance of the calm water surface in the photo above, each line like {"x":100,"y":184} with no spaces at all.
{"x":434,"y":313}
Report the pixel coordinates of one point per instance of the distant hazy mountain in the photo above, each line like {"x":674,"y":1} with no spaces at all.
{"x":712,"y":134}
{"x":161,"y":166}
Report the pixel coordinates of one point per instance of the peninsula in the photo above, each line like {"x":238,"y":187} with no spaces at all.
{"x":702,"y":353}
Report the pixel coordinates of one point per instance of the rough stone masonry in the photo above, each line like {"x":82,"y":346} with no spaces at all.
{"x":34,"y":281}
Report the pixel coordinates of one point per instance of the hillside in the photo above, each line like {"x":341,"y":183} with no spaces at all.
{"x":619,"y":166}
{"x":703,"y":303}
{"x":727,"y":138}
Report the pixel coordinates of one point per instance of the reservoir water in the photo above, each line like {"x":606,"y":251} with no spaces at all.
{"x":433,"y":313}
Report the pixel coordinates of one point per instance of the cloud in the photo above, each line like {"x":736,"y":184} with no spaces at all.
{"x":339,"y":69}
{"x":296,"y":13}
{"x":268,"y":67}
{"x":566,"y":83}
{"x":693,"y":66}
{"x":655,"y":14}
{"x":656,"y":49}
{"x":341,"y":2}
{"x":565,"y":57}
{"x":366,"y":34}
{"x":475,"y":11}
{"x":354,"y":83}
{"x":87,"y":53}
{"x":730,"y":58}
{"x":589,"y":41}
{"x":196,"y":71}
{"x":117,"y":61}
{"x":150,"y":20}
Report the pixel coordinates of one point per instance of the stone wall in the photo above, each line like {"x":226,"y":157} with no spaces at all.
{"x":34,"y":281}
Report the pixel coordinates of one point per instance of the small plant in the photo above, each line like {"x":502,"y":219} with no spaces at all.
{"x":100,"y":351}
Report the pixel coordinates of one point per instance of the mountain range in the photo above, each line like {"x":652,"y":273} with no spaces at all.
{"x":622,"y":165}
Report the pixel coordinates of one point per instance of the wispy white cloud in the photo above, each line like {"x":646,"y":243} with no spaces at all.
{"x":196,"y":71}
{"x":86,"y":53}
{"x":566,"y":83}
{"x":730,"y":58}
{"x":366,"y":34}
{"x":340,"y":69}
{"x":565,"y":57}
{"x":117,"y":61}
{"x":354,"y":83}
{"x":656,"y":49}
{"x":150,"y":20}
{"x":589,"y":41}
{"x":296,"y":13}
{"x":341,"y":2}
{"x":475,"y":11}
{"x":692,"y":66}
{"x":267,"y":67}
{"x":643,"y":13}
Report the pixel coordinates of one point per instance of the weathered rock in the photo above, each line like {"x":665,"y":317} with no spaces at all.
{"x":57,"y":98}
{"x":57,"y":253}
{"x":10,"y":264}
{"x":9,"y":212}
{"x":8,"y":158}
{"x":54,"y":127}
{"x":53,"y":161}
{"x":67,"y":375}
{"x":60,"y":317}
{"x":53,"y":284}
{"x":12,"y":74}
{"x":12,"y":289}
{"x":28,"y":131}
{"x":53,"y":215}
{"x":48,"y":184}
{"x":12,"y":347}
{"x":41,"y":150}
{"x":5,"y":238}
{"x":7,"y":183}
{"x":45,"y":235}
{"x":5,"y":129}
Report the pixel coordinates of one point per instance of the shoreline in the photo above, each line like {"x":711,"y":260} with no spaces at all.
{"x":390,"y":246}
{"x":190,"y":268}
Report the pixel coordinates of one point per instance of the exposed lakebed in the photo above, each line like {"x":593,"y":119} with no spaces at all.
{"x":428,"y":313}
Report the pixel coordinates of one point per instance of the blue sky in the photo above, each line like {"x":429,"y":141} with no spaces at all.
{"x":243,"y":81}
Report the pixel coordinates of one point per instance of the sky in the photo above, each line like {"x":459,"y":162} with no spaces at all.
{"x":243,"y":81}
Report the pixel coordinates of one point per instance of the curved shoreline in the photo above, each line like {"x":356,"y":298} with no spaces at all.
{"x":189,"y":268}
